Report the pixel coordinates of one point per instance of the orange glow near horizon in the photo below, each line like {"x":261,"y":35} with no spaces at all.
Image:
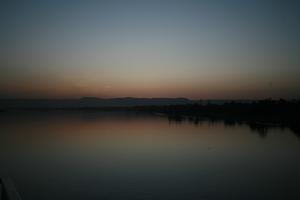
{"x":137,"y":49}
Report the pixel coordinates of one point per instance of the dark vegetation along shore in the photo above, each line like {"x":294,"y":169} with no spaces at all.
{"x":258,"y":115}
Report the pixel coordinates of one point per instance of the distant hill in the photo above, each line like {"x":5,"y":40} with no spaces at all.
{"x":89,"y":102}
{"x":93,"y":102}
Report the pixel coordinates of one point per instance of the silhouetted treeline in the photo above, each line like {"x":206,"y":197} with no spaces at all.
{"x":258,"y":114}
{"x":263,"y":107}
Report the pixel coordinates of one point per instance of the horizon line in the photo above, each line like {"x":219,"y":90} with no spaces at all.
{"x":132,"y":97}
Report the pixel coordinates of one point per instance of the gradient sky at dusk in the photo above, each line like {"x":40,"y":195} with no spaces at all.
{"x":196,"y":49}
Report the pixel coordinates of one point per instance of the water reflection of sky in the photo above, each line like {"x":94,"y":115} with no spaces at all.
{"x":134,"y":156}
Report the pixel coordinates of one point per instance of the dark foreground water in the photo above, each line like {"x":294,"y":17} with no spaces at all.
{"x":110,"y":155}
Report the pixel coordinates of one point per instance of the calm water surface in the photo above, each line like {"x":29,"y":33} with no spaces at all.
{"x":120,"y":156}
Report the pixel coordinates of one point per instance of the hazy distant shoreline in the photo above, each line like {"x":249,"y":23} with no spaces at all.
{"x":96,"y":103}
{"x":258,"y":115}
{"x":261,"y":113}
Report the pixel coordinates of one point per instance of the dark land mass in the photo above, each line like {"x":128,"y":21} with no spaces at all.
{"x":92,"y":102}
{"x":258,"y":115}
{"x":87,"y":102}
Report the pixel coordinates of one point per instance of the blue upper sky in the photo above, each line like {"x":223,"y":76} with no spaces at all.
{"x":195,"y":49}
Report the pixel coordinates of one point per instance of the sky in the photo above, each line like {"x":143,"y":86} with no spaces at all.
{"x":205,"y":49}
